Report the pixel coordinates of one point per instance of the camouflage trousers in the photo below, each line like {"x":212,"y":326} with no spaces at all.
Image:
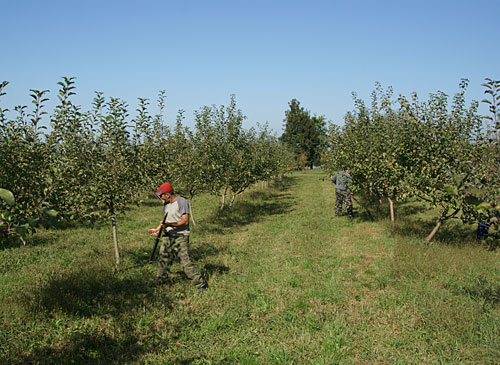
{"x":343,"y":197}
{"x":177,"y":247}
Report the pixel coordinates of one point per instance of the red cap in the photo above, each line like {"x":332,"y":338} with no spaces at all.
{"x":164,"y":188}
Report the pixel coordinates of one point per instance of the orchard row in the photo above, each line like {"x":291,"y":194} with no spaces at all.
{"x":89,"y":165}
{"x":443,"y":153}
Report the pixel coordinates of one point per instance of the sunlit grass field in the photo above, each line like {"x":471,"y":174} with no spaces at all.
{"x":288,"y":283}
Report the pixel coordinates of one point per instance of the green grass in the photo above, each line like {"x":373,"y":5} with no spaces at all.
{"x":289,"y":283}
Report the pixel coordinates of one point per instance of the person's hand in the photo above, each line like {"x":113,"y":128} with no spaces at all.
{"x":154,"y":232}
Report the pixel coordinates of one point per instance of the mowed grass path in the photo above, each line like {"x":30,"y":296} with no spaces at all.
{"x":289,"y":283}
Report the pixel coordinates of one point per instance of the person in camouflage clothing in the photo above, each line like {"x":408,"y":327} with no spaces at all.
{"x":175,"y":241}
{"x":342,"y":181}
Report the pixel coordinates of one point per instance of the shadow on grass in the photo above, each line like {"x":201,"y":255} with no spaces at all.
{"x":140,"y":257}
{"x":92,"y":291}
{"x":83,"y":348}
{"x":381,"y":211}
{"x":412,"y":221}
{"x":211,"y":270}
{"x":488,"y":293}
{"x":361,"y":215}
{"x":481,"y":290}
{"x":205,"y":250}
{"x":284,"y":183}
{"x":363,"y":209}
{"x":84,"y":294}
{"x":449,"y":233}
{"x":30,"y":241}
{"x":206,"y":271}
{"x":256,"y":205}
{"x":409,"y":209}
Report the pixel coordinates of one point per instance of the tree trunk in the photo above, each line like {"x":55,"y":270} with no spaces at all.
{"x":223,"y":199}
{"x":440,"y":221}
{"x":115,"y":241}
{"x":436,"y":228}
{"x":191,"y":211}
{"x":115,"y":235}
{"x":232,"y":200}
{"x":391,"y":206}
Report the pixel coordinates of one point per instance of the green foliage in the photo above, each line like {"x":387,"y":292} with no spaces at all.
{"x":483,"y":194}
{"x":304,"y":133}
{"x":25,"y":168}
{"x":429,"y":150}
{"x":371,"y":143}
{"x":230,"y":158}
{"x":7,"y":197}
{"x":92,"y":164}
{"x":445,"y":152}
{"x":11,"y":227}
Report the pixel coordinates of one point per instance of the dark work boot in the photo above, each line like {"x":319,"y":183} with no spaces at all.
{"x":203,"y":287}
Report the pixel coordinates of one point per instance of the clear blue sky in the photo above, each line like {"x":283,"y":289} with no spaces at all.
{"x":264,"y":52}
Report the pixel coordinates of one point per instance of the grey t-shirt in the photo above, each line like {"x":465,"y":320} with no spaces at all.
{"x":342,"y":180}
{"x":176,"y":210}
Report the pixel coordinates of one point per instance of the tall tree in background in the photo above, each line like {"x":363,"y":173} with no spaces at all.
{"x":305,"y":134}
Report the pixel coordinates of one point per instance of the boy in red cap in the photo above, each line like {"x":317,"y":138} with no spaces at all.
{"x":175,"y":241}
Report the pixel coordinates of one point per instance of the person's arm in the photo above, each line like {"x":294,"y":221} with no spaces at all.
{"x":183,"y":222}
{"x":155,"y":231}
{"x":334,"y":179}
{"x":183,"y":207}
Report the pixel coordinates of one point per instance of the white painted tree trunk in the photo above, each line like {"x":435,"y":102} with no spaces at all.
{"x":223,"y":199}
{"x":115,"y":241}
{"x":391,"y":206}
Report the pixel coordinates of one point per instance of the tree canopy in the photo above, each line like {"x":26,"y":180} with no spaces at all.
{"x":305,"y":134}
